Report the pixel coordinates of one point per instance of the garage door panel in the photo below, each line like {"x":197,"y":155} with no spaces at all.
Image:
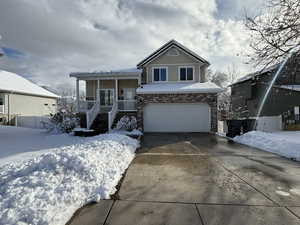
{"x":177,"y":118}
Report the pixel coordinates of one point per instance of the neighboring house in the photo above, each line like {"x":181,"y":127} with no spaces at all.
{"x":22,"y":102}
{"x":168,"y":92}
{"x":248,"y":92}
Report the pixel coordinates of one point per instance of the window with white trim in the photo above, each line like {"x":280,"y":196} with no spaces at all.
{"x":186,"y":73}
{"x":159,"y":74}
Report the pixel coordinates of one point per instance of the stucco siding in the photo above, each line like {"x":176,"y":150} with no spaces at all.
{"x":27,"y":105}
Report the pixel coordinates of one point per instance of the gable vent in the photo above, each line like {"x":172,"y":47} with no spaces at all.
{"x":173,"y":52}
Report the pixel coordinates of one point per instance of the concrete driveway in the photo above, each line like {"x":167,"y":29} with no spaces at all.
{"x":181,"y":179}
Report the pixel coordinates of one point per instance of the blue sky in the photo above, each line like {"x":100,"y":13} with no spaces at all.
{"x":49,"y":39}
{"x":12,"y":53}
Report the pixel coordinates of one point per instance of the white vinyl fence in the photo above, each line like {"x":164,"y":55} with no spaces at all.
{"x":32,"y":121}
{"x":269,"y":123}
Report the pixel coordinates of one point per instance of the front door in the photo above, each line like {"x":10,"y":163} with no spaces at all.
{"x":106,"y":97}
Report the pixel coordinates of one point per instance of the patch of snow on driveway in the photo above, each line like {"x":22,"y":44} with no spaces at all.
{"x":49,"y":188}
{"x":285,"y":143}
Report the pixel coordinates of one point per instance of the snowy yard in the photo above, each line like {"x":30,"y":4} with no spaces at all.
{"x":285,"y":143}
{"x":45,"y":178}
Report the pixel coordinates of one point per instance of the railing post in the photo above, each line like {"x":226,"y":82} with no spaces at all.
{"x":87,"y":120}
{"x":77,"y":95}
{"x":109,"y":121}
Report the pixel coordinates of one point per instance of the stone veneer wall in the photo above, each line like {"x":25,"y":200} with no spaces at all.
{"x":210,"y":99}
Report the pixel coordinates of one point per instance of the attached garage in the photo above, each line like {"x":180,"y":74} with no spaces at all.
{"x":177,"y":117}
{"x":178,"y":107}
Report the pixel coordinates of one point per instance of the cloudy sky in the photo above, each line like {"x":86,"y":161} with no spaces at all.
{"x":45,"y":40}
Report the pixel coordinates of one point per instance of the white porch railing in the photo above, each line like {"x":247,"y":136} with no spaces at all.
{"x":112,"y":115}
{"x":92,"y":114}
{"x":86,"y":105}
{"x":127,"y":105}
{"x":1,"y":108}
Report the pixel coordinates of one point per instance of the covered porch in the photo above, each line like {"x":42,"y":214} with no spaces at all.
{"x":107,"y":92}
{"x":121,"y":92}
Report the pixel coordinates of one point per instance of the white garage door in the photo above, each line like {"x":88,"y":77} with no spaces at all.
{"x":177,"y":118}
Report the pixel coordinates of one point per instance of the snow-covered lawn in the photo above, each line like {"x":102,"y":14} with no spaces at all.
{"x":285,"y":143}
{"x":60,"y":173}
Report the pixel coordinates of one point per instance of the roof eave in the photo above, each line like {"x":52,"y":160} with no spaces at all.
{"x":167,"y":46}
{"x":99,"y":74}
{"x":31,"y":94}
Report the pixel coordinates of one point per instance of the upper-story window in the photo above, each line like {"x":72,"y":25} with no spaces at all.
{"x":186,"y":73}
{"x":160,"y":74}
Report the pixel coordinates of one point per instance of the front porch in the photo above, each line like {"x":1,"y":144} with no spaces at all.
{"x":106,"y":94}
{"x":121,"y":92}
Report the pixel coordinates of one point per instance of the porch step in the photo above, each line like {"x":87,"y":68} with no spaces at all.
{"x":120,"y":115}
{"x":82,"y":119}
{"x":100,"y":124}
{"x":84,"y":132}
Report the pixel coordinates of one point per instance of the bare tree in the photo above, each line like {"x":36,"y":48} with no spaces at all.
{"x":275,"y":32}
{"x":217,"y":77}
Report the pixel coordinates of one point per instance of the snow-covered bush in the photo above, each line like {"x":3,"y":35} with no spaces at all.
{"x":128,"y":123}
{"x":62,"y":122}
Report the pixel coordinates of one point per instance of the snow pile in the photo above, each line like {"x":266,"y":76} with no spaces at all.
{"x":48,"y":189}
{"x":285,"y":143}
{"x":134,"y":132}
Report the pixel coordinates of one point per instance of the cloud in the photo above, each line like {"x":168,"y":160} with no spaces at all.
{"x":59,"y":37}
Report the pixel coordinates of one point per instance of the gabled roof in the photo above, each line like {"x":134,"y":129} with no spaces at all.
{"x":167,"y":46}
{"x":11,"y":82}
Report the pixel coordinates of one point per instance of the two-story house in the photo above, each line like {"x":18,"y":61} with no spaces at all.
{"x":167,"y":92}
{"x":248,"y":92}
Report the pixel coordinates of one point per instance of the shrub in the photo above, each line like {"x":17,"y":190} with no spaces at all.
{"x":62,"y":122}
{"x":128,"y":123}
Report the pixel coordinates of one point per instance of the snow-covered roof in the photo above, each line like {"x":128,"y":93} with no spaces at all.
{"x":291,"y":87}
{"x":12,"y":82}
{"x":169,"y":88}
{"x":167,"y":46}
{"x":252,"y":75}
{"x":121,"y":72}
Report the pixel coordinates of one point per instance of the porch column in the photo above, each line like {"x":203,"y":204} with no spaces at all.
{"x":117,"y":91}
{"x":77,"y":95}
{"x":139,"y":81}
{"x":97,"y":91}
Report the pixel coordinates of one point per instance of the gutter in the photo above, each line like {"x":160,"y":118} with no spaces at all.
{"x":30,"y":94}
